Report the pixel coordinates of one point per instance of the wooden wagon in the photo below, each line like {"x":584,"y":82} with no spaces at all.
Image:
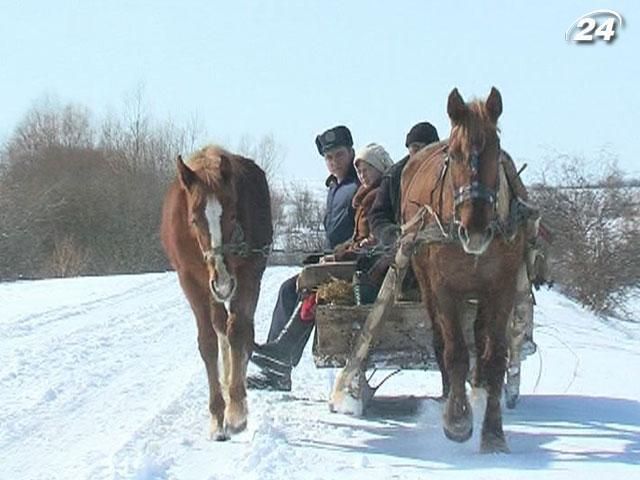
{"x":404,"y":338}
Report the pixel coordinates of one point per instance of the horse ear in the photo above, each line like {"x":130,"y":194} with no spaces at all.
{"x":185,"y":174}
{"x":456,"y":108}
{"x":225,"y":168}
{"x":494,"y":104}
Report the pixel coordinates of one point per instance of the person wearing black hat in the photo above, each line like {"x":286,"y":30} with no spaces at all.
{"x":289,"y":332}
{"x":384,"y":216}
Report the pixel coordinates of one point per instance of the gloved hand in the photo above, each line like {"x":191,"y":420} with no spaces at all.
{"x":308,"y":309}
{"x":390,"y":234}
{"x":312,"y":259}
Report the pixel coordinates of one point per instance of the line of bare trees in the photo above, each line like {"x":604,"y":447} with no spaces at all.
{"x":83,"y":197}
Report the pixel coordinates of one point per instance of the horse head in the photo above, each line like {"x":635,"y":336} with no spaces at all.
{"x":211,"y":203}
{"x":474,"y":152}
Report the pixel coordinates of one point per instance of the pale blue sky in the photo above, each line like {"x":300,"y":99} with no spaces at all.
{"x":294,"y":68}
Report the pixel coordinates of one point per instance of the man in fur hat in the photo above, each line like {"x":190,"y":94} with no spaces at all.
{"x":289,"y":333}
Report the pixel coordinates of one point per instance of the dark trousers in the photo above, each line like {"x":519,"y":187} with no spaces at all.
{"x":285,"y":305}
{"x":291,"y":344}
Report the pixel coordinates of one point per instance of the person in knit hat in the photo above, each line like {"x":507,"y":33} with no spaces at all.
{"x":370,"y":162}
{"x":420,"y":135}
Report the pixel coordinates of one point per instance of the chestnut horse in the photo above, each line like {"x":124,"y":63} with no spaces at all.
{"x":216,"y":230}
{"x":462,"y":183}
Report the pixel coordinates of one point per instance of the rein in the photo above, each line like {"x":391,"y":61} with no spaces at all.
{"x":238,"y":246}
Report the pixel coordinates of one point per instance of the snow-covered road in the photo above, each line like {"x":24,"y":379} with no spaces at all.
{"x":100,"y":378}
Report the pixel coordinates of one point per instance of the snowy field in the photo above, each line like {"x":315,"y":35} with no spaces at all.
{"x":100,"y":378}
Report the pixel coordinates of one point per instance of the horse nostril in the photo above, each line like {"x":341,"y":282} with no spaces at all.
{"x":462,"y":233}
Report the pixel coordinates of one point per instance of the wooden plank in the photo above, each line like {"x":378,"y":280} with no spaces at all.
{"x":404,"y":341}
{"x":314,"y":275}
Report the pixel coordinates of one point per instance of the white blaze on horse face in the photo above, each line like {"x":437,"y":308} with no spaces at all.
{"x":213,"y":213}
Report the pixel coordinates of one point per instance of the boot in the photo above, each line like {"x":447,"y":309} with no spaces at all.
{"x":266,"y":379}
{"x":286,"y":350}
{"x":364,"y":291}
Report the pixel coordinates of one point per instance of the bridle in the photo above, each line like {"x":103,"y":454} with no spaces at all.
{"x":237,"y":245}
{"x":476,"y":190}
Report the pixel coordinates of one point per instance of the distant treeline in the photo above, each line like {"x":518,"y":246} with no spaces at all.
{"x":80,"y":196}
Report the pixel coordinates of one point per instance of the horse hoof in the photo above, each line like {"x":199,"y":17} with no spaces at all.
{"x":235,"y":417}
{"x":233,"y":429}
{"x":458,"y":419}
{"x":346,"y":405}
{"x":494,"y":444}
{"x":219,"y":436}
{"x":216,"y":433}
{"x":459,"y":435}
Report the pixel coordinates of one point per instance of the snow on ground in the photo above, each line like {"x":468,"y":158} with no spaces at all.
{"x":100,"y":378}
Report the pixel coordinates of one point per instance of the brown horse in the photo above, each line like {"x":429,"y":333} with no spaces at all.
{"x":216,"y":231}
{"x":463,"y":185}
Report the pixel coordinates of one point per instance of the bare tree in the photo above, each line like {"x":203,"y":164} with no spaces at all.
{"x":266,"y":152}
{"x":48,"y":124}
{"x":74,"y":203}
{"x":594,"y":256}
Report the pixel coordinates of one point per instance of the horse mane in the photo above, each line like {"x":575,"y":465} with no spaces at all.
{"x":206,"y":164}
{"x":247,"y":187}
{"x":503,"y":200}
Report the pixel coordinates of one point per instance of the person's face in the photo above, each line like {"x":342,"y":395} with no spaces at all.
{"x":366,"y":173}
{"x":415,"y":147}
{"x":338,"y":161}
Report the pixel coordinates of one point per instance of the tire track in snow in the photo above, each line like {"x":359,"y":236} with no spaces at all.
{"x":24,"y":326}
{"x":89,"y":377}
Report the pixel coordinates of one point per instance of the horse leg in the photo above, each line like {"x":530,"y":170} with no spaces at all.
{"x":438,"y":345}
{"x":494,"y":313}
{"x":512,"y":384}
{"x":458,"y":417}
{"x":438,"y":339}
{"x":208,"y":346}
{"x":225,"y":356}
{"x":240,"y":335}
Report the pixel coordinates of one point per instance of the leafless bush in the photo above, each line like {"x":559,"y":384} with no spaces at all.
{"x":278,"y":208}
{"x":75,"y":202}
{"x":306,"y":209}
{"x":48,"y":124}
{"x":265,"y":151}
{"x":67,"y":259}
{"x":593,"y":219}
{"x":304,"y":227}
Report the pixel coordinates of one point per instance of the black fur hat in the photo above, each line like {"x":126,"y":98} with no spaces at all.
{"x":339,"y":136}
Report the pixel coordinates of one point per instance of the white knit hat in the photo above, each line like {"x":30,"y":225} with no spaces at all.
{"x":375,"y":155}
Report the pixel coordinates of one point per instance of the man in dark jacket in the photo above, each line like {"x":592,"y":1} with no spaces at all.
{"x":288,"y":333}
{"x":384,"y":216}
